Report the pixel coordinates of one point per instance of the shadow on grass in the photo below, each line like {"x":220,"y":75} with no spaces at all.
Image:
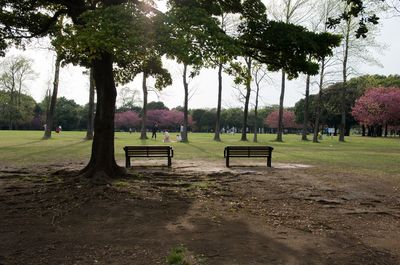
{"x":22,"y":144}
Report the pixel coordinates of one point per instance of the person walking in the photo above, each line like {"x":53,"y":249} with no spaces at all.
{"x":154,"y":131}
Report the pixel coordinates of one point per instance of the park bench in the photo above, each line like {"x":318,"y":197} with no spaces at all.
{"x":248,"y":151}
{"x":148,"y":151}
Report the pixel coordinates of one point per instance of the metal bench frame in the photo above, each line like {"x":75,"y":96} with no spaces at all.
{"x":248,"y":151}
{"x":148,"y":151}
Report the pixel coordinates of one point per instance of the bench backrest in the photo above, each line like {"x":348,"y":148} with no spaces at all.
{"x":248,"y":151}
{"x":150,"y":150}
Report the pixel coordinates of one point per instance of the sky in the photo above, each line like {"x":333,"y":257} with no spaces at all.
{"x":74,"y":84}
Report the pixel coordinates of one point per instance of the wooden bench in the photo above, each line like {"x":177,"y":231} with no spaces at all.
{"x":148,"y":151}
{"x":248,"y":151}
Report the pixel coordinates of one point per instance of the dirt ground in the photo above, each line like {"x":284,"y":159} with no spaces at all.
{"x":249,"y":214}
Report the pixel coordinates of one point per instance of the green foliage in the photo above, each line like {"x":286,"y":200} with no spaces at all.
{"x":119,"y":30}
{"x":156,"y":105}
{"x":240,"y":73}
{"x":281,"y":45}
{"x":204,"y":119}
{"x":188,"y":35}
{"x":178,"y":256}
{"x":21,"y":114}
{"x":67,"y":114}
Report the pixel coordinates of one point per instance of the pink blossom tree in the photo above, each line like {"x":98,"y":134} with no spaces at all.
{"x":167,"y":119}
{"x":377,"y":108}
{"x":127,"y":119}
{"x":289,"y":120}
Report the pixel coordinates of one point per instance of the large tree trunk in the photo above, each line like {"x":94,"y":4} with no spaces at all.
{"x":218,"y":121}
{"x":102,"y":165}
{"x":319,"y":98}
{"x":247,"y":99}
{"x":90,"y":121}
{"x":306,"y":110}
{"x":280,"y":118}
{"x":143,"y":131}
{"x":53,"y":102}
{"x":185,"y":105}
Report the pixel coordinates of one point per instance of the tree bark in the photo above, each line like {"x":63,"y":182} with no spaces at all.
{"x":217,"y":134}
{"x":306,"y":110}
{"x":143,"y":131}
{"x":363,"y":130}
{"x":279,"y":137}
{"x":102,"y":165}
{"x":247,"y":99}
{"x":11,"y":112}
{"x":342,"y":130}
{"x":386,"y":130}
{"x":90,"y":122}
{"x":53,"y":102}
{"x":256,"y":114}
{"x":319,"y":99}
{"x":185,"y":105}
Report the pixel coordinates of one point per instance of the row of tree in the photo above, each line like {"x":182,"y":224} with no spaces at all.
{"x":372,"y":102}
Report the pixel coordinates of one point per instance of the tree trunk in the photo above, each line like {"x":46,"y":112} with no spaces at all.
{"x":279,"y":137}
{"x":256,"y":114}
{"x":217,"y":133}
{"x":306,"y":108}
{"x":363,"y":130}
{"x":319,"y":99}
{"x":185,"y":105}
{"x":370,"y":131}
{"x":342,"y":130}
{"x":53,"y":102}
{"x":143,"y":131}
{"x":90,"y":122}
{"x":247,"y":99}
{"x":11,"y":111}
{"x":386,"y":130}
{"x":102,"y":165}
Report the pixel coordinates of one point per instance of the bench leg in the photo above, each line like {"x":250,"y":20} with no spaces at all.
{"x":169,"y":161}
{"x":227,"y":161}
{"x":127,"y":162}
{"x":269,"y":164}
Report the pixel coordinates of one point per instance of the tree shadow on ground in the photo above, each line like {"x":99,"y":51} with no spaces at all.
{"x":140,"y":220}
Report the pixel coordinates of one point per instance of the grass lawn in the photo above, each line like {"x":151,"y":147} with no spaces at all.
{"x":362,"y":154}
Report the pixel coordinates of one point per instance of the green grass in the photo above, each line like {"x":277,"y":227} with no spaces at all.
{"x":362,"y":154}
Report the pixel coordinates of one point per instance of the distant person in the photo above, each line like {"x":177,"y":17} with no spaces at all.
{"x":130,"y":130}
{"x":58,"y":129}
{"x":181,"y":131}
{"x":45,"y":127}
{"x":166,"y":137}
{"x":154,"y":131}
{"x":178,"y":138}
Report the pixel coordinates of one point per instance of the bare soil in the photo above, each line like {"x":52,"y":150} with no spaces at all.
{"x":248,"y":214}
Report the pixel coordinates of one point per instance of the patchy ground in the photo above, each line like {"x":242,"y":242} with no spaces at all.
{"x":290,"y":214}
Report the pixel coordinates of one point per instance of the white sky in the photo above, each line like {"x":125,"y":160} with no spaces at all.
{"x":74,"y":85}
